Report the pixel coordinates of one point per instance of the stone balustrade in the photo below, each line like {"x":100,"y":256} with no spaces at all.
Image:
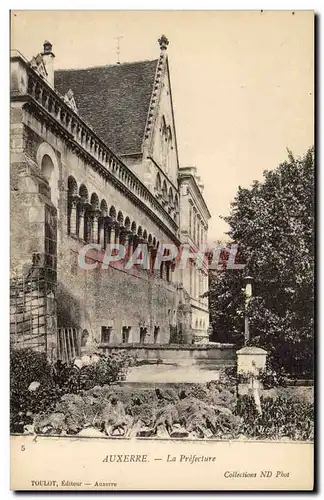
{"x":84,"y":140}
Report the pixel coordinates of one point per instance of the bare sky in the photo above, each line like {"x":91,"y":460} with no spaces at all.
{"x":242,"y":82}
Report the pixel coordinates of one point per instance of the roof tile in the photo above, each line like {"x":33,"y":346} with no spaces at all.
{"x":114,"y":100}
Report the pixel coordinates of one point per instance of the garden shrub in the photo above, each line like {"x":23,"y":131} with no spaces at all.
{"x":269,"y":377}
{"x":58,"y":399}
{"x":281,"y":418}
{"x":51,"y":381}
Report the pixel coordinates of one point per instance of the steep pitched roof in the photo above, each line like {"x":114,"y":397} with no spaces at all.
{"x":114,"y":100}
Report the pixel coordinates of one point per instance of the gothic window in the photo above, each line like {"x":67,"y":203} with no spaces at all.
{"x":166,"y":144}
{"x":47,"y":168}
{"x":168,"y":141}
{"x":165,"y":191}
{"x":163,"y":142}
{"x":158,"y":183}
{"x":170,"y":197}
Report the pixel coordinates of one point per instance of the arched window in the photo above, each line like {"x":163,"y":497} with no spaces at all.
{"x":170,"y":197}
{"x":47,"y":169}
{"x":168,"y":148}
{"x":112,"y":213}
{"x":133,"y":227}
{"x":158,"y":182}
{"x":165,"y":191}
{"x":166,"y":138}
{"x":127,"y":224}
{"x":48,"y":165}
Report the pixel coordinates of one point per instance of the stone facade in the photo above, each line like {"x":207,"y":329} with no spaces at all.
{"x":69,"y":189}
{"x":194,"y":227}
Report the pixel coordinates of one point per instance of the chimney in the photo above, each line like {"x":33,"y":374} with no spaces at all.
{"x":48,"y":58}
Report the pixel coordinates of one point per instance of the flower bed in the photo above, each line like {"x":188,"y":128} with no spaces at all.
{"x":187,"y":411}
{"x":88,"y":401}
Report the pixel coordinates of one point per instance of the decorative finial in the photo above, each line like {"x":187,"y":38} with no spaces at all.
{"x":47,"y":47}
{"x":163,"y":42}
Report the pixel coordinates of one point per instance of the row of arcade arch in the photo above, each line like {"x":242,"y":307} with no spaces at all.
{"x":93,"y":221}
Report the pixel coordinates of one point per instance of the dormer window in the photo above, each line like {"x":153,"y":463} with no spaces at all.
{"x":166,"y":144}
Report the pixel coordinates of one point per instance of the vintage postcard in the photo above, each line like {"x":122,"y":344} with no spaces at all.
{"x":162,"y":250}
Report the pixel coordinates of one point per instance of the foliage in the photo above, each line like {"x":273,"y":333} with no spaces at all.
{"x":269,"y":377}
{"x":273,"y":224}
{"x":281,"y":418}
{"x":26,"y":367}
{"x":52,"y":381}
{"x":204,"y":410}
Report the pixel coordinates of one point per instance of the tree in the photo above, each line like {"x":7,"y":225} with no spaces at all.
{"x":273,"y":224}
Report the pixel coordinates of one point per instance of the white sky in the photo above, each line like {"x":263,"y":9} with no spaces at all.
{"x":242,"y":82}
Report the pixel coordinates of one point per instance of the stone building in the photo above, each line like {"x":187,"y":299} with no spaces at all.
{"x":94,"y":159}
{"x":194,"y":216}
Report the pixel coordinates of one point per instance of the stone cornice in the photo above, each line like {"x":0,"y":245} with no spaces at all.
{"x":195,"y":192}
{"x":42,"y":98}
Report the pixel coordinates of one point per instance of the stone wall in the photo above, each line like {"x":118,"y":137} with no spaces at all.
{"x":214,"y":354}
{"x":88,"y":300}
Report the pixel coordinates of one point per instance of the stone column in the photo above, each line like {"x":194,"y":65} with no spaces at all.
{"x":130,"y":245}
{"x":112,"y":237}
{"x":95,"y":227}
{"x":81,"y":220}
{"x":126,"y":243}
{"x":102,"y":232}
{"x":89,"y":221}
{"x":74,"y":214}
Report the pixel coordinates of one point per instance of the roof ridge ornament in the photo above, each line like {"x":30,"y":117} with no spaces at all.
{"x":163,"y":42}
